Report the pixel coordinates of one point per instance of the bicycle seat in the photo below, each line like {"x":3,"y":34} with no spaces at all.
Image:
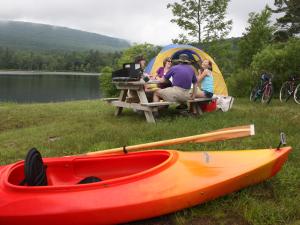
{"x":265,"y":77}
{"x":294,"y":77}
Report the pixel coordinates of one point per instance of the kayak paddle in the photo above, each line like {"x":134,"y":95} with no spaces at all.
{"x":217,"y":135}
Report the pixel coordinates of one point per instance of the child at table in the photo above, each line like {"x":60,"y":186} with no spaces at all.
{"x":206,"y":79}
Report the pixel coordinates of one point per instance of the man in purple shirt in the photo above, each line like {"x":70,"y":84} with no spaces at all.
{"x":183,"y":76}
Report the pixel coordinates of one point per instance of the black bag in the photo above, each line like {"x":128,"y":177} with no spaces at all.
{"x":130,"y":72}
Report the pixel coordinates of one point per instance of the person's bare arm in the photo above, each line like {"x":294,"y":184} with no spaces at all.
{"x":162,"y":79}
{"x":202,"y":75}
{"x":194,"y":91}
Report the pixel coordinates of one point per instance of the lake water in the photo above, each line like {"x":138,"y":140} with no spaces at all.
{"x":55,"y":87}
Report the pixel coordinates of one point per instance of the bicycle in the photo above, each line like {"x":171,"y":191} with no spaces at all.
{"x":297,"y":94}
{"x":263,"y":90}
{"x":288,"y":89}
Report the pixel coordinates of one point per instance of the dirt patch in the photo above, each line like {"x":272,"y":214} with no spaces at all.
{"x":265,"y":191}
{"x":162,"y":220}
{"x":230,"y":219}
{"x":205,"y":220}
{"x":235,"y":220}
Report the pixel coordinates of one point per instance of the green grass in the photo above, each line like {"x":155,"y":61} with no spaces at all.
{"x":58,"y":129}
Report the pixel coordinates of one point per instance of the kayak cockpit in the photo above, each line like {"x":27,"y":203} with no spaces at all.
{"x":68,"y":171}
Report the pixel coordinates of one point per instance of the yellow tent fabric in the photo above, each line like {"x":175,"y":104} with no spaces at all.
{"x":174,"y":50}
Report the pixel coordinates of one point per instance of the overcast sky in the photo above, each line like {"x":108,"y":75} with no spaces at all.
{"x":134,"y":20}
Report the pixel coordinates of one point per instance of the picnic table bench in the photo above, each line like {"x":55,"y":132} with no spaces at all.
{"x":141,"y":103}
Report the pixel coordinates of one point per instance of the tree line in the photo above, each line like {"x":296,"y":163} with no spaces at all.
{"x":87,"y":61}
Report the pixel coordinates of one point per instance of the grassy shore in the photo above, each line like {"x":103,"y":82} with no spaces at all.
{"x":58,"y":129}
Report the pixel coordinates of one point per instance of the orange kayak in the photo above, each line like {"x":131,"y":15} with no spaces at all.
{"x":133,"y":186}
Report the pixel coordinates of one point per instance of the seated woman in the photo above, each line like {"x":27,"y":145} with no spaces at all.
{"x":167,"y":63}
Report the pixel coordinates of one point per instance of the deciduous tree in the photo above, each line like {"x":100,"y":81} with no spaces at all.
{"x":257,"y":35}
{"x":202,"y":19}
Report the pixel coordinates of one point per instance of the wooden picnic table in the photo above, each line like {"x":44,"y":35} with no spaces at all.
{"x":139,"y":101}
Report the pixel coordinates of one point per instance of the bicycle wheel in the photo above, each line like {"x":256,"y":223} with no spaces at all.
{"x":285,"y":92}
{"x":267,"y":94}
{"x":254,"y":94}
{"x":297,"y":94}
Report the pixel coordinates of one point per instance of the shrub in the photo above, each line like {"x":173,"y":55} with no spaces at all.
{"x":106,"y":86}
{"x":240,"y":83}
{"x":282,"y":60}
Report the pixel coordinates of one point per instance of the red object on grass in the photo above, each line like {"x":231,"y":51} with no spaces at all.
{"x":209,"y":107}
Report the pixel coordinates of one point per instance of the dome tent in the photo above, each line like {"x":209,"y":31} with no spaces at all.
{"x":195,"y":54}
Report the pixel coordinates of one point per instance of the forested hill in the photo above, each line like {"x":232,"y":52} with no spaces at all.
{"x":32,"y":36}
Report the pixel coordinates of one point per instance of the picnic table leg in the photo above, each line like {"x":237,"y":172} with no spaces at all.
{"x":196,"y":108}
{"x":122,"y":98}
{"x":143,"y":99}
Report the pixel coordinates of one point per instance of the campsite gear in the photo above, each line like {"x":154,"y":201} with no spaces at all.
{"x":131,"y":186}
{"x":209,"y":107}
{"x":195,"y":55}
{"x":217,"y":135}
{"x":224,"y":102}
{"x":129,"y":72}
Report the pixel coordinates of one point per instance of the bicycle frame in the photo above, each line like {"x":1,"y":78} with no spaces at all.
{"x":292,"y":85}
{"x":263,"y":90}
{"x":266,"y":84}
{"x":289,"y":86}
